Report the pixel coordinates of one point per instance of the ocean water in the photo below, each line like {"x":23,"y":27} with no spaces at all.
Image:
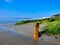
{"x":11,"y":20}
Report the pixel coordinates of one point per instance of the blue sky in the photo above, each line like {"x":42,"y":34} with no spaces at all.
{"x":29,"y":8}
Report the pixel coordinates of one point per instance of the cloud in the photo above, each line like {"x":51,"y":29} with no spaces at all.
{"x":45,"y":17}
{"x":8,"y":0}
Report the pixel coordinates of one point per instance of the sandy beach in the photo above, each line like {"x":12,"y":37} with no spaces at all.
{"x":11,"y":34}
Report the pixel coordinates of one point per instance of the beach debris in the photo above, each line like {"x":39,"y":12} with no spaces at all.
{"x":56,"y":37}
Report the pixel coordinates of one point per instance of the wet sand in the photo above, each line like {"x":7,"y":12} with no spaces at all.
{"x":22,"y":35}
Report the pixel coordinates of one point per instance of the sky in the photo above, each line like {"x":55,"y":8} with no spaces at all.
{"x":29,"y":8}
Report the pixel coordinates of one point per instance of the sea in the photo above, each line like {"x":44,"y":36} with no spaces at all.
{"x":12,"y":20}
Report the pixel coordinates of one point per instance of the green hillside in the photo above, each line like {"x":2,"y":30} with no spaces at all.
{"x":52,"y":28}
{"x":52,"y":25}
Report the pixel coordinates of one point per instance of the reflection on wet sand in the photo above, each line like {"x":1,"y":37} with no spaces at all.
{"x":35,"y":42}
{"x":10,"y":37}
{"x":13,"y":38}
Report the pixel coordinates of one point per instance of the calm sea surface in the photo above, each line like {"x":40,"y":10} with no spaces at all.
{"x":10,"y":20}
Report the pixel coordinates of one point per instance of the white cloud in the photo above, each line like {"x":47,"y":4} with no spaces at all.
{"x":8,"y":0}
{"x":45,"y":17}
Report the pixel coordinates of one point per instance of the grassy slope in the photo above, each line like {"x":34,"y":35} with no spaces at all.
{"x":52,"y":27}
{"x":27,"y":21}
